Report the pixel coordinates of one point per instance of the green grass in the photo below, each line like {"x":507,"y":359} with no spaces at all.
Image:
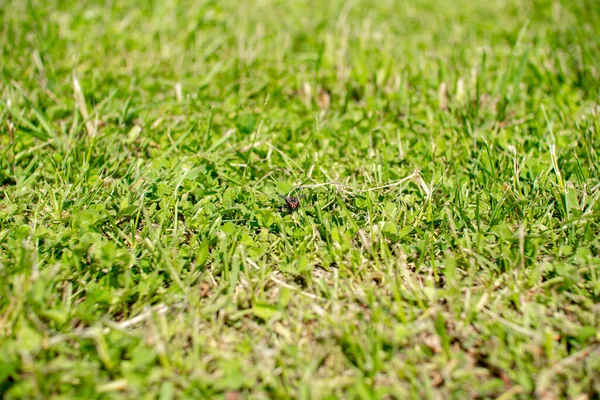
{"x":446,"y":247}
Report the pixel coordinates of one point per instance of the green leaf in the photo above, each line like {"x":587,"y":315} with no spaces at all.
{"x":202,"y":253}
{"x":246,"y":123}
{"x":166,"y":391}
{"x":390,"y":230}
{"x":440,"y":328}
{"x":28,"y":339}
{"x":264,"y":311}
{"x":571,"y":201}
{"x":60,"y":316}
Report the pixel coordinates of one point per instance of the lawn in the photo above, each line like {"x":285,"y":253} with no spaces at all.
{"x":445,"y":156}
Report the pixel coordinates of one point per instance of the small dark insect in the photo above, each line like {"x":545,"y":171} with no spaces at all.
{"x":292,"y":202}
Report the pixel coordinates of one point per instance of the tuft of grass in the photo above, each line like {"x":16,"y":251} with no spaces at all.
{"x":446,"y":244}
